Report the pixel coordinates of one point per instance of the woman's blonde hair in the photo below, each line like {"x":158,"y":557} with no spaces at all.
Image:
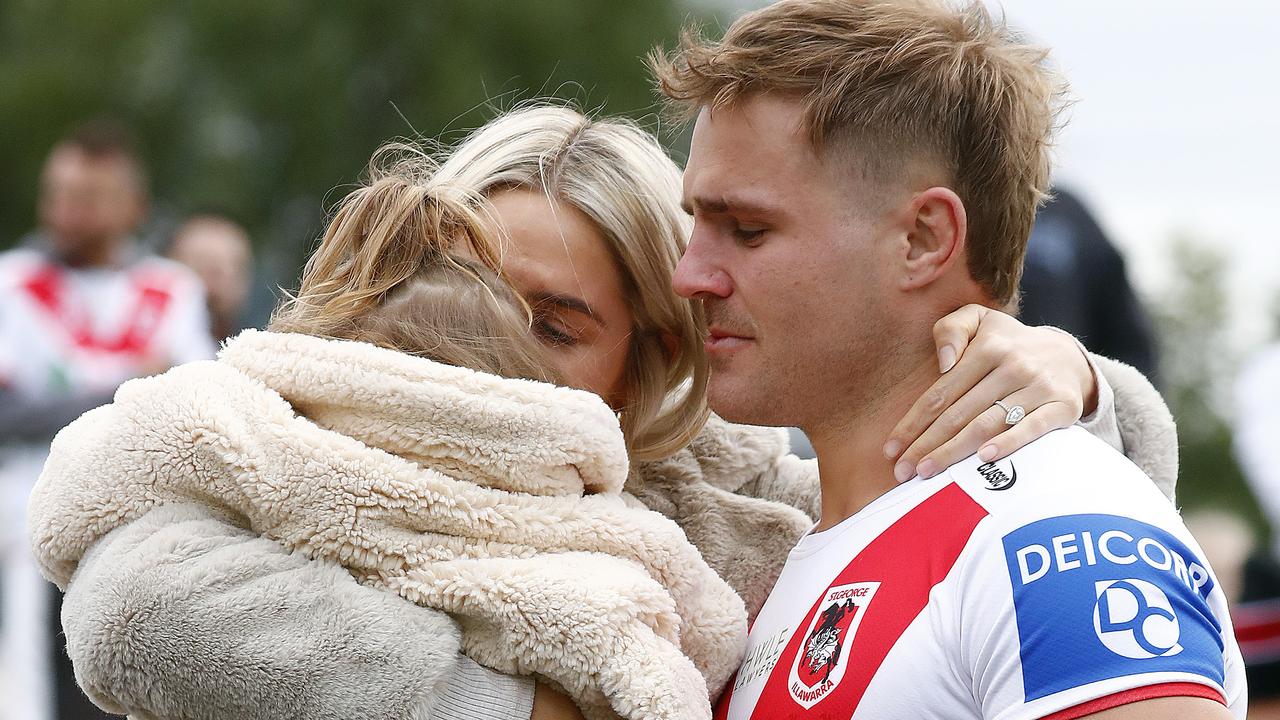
{"x":614,"y":172}
{"x":395,"y":268}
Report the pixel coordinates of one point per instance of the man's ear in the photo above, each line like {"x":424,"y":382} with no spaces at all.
{"x":937,"y":236}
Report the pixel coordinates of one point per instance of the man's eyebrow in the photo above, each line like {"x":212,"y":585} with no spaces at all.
{"x":718,"y":205}
{"x":566,"y":302}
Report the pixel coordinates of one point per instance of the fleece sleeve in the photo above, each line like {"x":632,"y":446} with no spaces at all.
{"x":183,"y":616}
{"x":1148,"y":436}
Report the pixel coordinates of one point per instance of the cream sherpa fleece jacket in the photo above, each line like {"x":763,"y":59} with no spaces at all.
{"x":185,"y":615}
{"x":499,"y":501}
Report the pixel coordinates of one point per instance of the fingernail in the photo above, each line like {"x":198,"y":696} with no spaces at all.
{"x":988,"y":453}
{"x":927,"y":469}
{"x":946,"y":358}
{"x":903,"y":471}
{"x":892,"y":449}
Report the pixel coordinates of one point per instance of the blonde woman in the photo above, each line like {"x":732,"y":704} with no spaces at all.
{"x":181,"y":613}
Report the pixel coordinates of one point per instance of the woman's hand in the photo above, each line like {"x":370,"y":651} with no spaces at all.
{"x":985,"y":355}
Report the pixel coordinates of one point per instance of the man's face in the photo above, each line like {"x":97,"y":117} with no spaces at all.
{"x":219,"y":254}
{"x":88,"y":202}
{"x":790,"y":256}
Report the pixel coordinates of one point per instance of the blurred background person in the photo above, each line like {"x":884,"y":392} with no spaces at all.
{"x":1257,"y":431}
{"x":82,"y":309}
{"x":218,"y":251}
{"x":1250,"y":578}
{"x":1257,"y":616}
{"x":1075,"y":279}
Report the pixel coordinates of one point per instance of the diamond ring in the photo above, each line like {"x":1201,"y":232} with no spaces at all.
{"x":1012,"y":415}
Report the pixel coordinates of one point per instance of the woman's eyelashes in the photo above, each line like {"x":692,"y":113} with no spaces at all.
{"x":552,"y":333}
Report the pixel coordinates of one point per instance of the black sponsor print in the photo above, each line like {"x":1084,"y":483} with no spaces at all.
{"x":996,"y":477}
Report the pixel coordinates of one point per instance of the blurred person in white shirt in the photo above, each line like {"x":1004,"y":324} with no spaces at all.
{"x":82,"y":309}
{"x":1257,"y":427}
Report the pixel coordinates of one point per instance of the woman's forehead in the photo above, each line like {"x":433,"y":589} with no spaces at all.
{"x":554,"y":249}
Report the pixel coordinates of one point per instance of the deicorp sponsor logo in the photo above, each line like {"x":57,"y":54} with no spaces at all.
{"x":1116,"y":547}
{"x":824,"y":654}
{"x":1118,"y":596}
{"x":1135,"y":619}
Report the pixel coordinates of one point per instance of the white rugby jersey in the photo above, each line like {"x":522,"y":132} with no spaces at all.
{"x":1055,"y":583}
{"x":75,"y":330}
{"x":66,"y":331}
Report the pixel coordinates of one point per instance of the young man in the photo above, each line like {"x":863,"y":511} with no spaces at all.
{"x":81,"y":311}
{"x":858,"y":170}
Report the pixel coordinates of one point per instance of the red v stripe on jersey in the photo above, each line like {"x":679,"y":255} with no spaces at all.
{"x":47,"y":288}
{"x":932,"y":536}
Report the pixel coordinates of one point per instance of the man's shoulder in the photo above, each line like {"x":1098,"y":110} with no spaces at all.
{"x":1066,"y":470}
{"x":1071,"y":490}
{"x":17,"y":263}
{"x":1087,"y":577}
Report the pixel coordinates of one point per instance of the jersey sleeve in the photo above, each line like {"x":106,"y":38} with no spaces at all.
{"x":1065,"y":616}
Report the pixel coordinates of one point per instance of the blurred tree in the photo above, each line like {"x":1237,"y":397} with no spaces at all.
{"x":259,"y":109}
{"x":1198,"y":368}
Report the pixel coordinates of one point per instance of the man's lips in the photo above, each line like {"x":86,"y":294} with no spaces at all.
{"x":721,"y":341}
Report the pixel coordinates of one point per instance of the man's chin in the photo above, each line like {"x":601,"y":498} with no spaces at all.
{"x":739,"y":400}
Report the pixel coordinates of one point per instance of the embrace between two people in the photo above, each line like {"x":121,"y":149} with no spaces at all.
{"x":490,"y":397}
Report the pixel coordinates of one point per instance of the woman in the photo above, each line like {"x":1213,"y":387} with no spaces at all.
{"x":180,"y":614}
{"x":398,"y":435}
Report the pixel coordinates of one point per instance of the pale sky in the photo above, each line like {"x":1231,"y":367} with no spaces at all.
{"x":1176,"y":127}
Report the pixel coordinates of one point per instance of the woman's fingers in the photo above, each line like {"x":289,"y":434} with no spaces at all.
{"x":992,"y":437}
{"x":962,"y":419}
{"x":951,"y":334}
{"x":978,"y":361}
{"x":1037,"y":423}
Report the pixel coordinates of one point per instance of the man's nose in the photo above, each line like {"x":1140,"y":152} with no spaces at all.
{"x":699,"y":273}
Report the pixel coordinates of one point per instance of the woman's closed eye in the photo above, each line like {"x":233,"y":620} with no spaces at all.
{"x":552,"y":333}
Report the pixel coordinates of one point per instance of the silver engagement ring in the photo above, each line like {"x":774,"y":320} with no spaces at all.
{"x":1012,"y":415}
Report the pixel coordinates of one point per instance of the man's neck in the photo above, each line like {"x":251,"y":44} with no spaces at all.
{"x":109,"y":254}
{"x":851,"y":462}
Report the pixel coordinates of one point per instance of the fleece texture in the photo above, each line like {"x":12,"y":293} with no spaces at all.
{"x":498,"y":501}
{"x":185,"y":614}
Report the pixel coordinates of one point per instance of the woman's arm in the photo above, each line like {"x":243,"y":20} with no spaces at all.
{"x":181,"y":615}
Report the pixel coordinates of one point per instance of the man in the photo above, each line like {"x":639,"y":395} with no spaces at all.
{"x":859,"y":169}
{"x":81,"y":311}
{"x":217,"y":249}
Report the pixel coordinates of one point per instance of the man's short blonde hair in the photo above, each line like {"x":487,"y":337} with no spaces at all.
{"x":897,"y":80}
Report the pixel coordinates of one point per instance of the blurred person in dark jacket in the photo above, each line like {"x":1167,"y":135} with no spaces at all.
{"x":82,"y":309}
{"x":1075,"y":279}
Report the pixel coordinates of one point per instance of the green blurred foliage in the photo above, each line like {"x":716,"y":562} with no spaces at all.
{"x":259,"y":109}
{"x":1198,"y":368}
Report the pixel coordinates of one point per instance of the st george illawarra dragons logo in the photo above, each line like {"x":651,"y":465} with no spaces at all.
{"x":824,"y":655}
